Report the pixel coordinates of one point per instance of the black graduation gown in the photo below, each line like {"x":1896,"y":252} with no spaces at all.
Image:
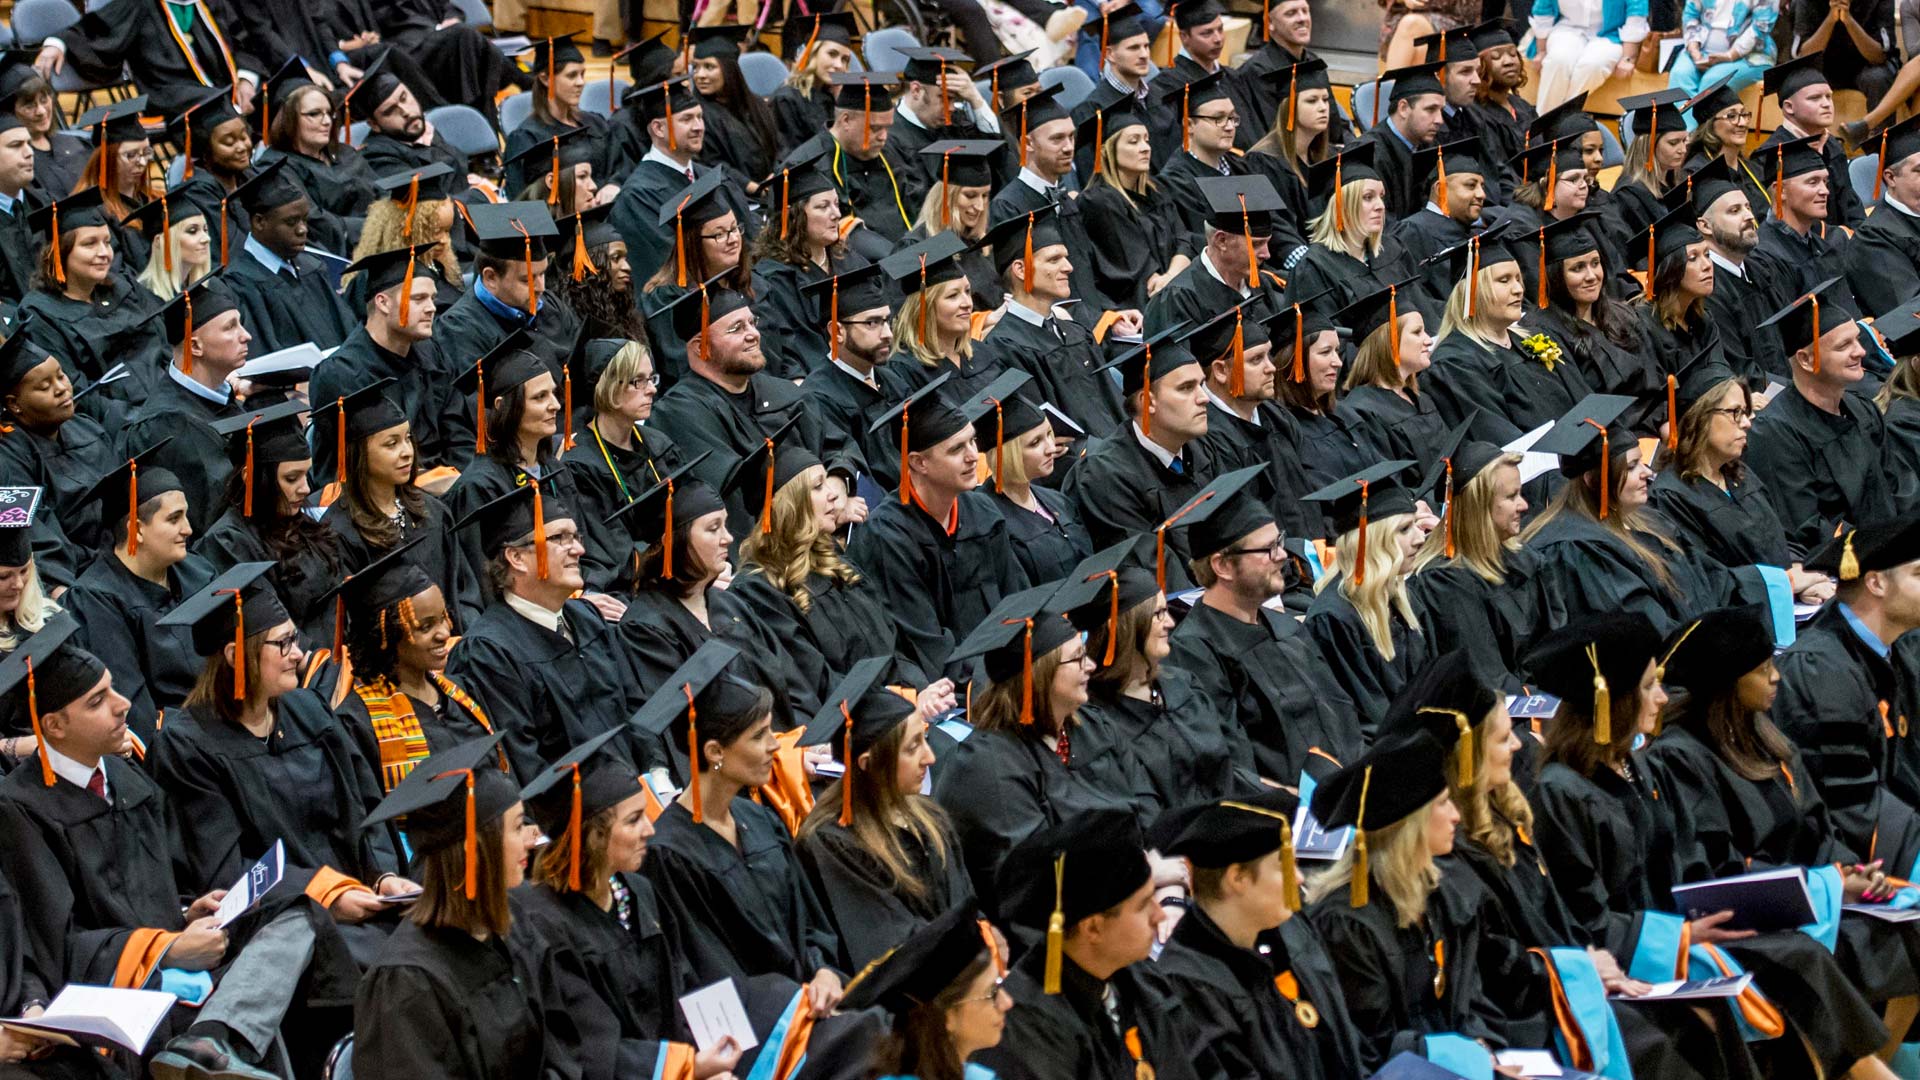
{"x":988,"y":293}
{"x":1316,"y":269}
{"x":1423,"y":234}
{"x":1062,"y":357}
{"x":1883,"y":258}
{"x":842,"y":625}
{"x":18,"y":252}
{"x":601,"y":143}
{"x":1671,"y":351}
{"x":1178,"y":178}
{"x":1514,"y":392}
{"x":798,"y":117}
{"x":1369,"y":678}
{"x":302,"y":581}
{"x":197,"y":454}
{"x":1163,"y":109}
{"x":616,"y":984}
{"x":740,"y":909}
{"x":338,"y":193}
{"x":1843,"y":206}
{"x":870,"y":915}
{"x":304,"y":784}
{"x":422,"y":387}
{"x":1734,"y":527}
{"x":1738,"y":300}
{"x":1245,"y":1029}
{"x":849,"y":406}
{"x":1792,"y":264}
{"x":486,"y":478}
{"x":636,"y":211}
{"x":441,"y":557}
{"x":1638,"y":370}
{"x":1494,"y":623}
{"x":386,"y":155}
{"x":1019,"y":198}
{"x":66,"y":465}
{"x":1071,"y":1033}
{"x":1121,"y":490}
{"x":659,"y":634}
{"x":1290,"y":224}
{"x":547,"y":691}
{"x":1902,"y":444}
{"x":154,"y":667}
{"x":1329,"y":447}
{"x":26,"y":978}
{"x":440,"y":1005}
{"x":1048,"y":544}
{"x":1393,"y":160}
{"x":58,"y":168}
{"x":884,"y":191}
{"x":465,"y":67}
{"x":734,"y":144}
{"x":1198,"y":294}
{"x":790,"y":333}
{"x":91,"y":337}
{"x":605,"y":478}
{"x":1189,"y":751}
{"x":1503,"y":134}
{"x":139,"y":34}
{"x":701,"y":416}
{"x":1822,"y":470}
{"x":444,"y":725}
{"x":1387,"y":972}
{"x":1391,"y":426}
{"x":938,"y":584}
{"x":1268,"y":679}
{"x":1593,"y":571}
{"x":1747,"y":176}
{"x":469,"y":330}
{"x":1133,"y":237}
{"x":1266,"y":96}
{"x":1608,"y":843}
{"x":1235,"y":443}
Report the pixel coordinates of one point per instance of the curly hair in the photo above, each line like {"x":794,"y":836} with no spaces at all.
{"x":595,"y":297}
{"x":386,"y":228}
{"x":287,"y":536}
{"x":797,"y":547}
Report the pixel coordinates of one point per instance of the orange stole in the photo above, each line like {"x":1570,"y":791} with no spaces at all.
{"x":788,"y":793}
{"x":140,"y":956}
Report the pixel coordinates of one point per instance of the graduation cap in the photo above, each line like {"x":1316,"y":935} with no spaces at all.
{"x":1591,"y":656}
{"x":918,"y":970}
{"x":1458,"y":457}
{"x":77,"y":211}
{"x":447,"y":797}
{"x":1015,"y":413}
{"x":291,"y":76}
{"x":114,"y":122}
{"x":1188,"y":14}
{"x":1375,"y":492}
{"x":1007,"y":74}
{"x":1446,"y":699}
{"x":700,"y":691}
{"x":1898,"y":142}
{"x":1900,"y":327}
{"x":1459,"y":156}
{"x":771,"y":465}
{"x":1329,"y":176}
{"x":16,"y":71}
{"x":1377,"y":309}
{"x":1492,"y":34}
{"x":1228,"y":832}
{"x":196,"y":306}
{"x":1158,"y":356}
{"x":19,"y":506}
{"x":718,"y":42}
{"x":157,"y":215}
{"x":1224,"y":337}
{"x":1545,"y":162}
{"x":582,"y":232}
{"x":1584,"y":439}
{"x":663,"y":100}
{"x":1110,"y":27}
{"x":1879,"y":545}
{"x":367,"y":411}
{"x":1299,"y":76}
{"x":269,"y":188}
{"x":1708,"y":655}
{"x":696,"y":204}
{"x":365,"y":97}
{"x":1655,"y":114}
{"x":1242,"y":204}
{"x":595,"y":345}
{"x":431,"y":182}
{"x":56,"y":672}
{"x":679,"y":496}
{"x":391,"y":580}
{"x":1019,"y":237}
{"x":221,"y":612}
{"x":862,"y":710}
{"x":506,"y":367}
{"x":1391,"y":782}
{"x":1192,"y":93}
{"x":1788,"y":78}
{"x":1704,"y":373}
{"x":550,"y":56}
{"x":1062,"y":873}
{"x":587,"y":780}
{"x":122,"y":490}
{"x":1802,"y":323}
{"x":851,"y":291}
{"x":1464,"y":261}
{"x":562,"y":151}
{"x":706,"y":303}
{"x":524,"y":511}
{"x":1790,"y":158}
{"x":1448,"y":46}
{"x":507,"y":230}
{"x":399,"y":266}
{"x":1234,"y":511}
{"x":800,"y":178}
{"x":1291,"y":326}
{"x":1567,"y":120}
{"x":1557,"y":241}
{"x":199,"y":119}
{"x":866,"y":93}
{"x":18,"y":357}
{"x":962,"y":163}
{"x":1711,"y":102}
{"x":928,"y":65}
{"x":1413,"y":81}
{"x":919,"y":423}
{"x":262,"y":440}
{"x":649,"y":60}
{"x":1107,"y":120}
{"x":919,"y":267}
{"x":800,"y":34}
{"x":1703,"y":187}
{"x":1037,"y":111}
{"x":1672,"y":232}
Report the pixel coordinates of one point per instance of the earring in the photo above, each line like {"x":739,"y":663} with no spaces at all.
{"x":715,"y":767}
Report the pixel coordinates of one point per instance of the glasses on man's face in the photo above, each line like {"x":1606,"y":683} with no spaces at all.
{"x":285,"y":644}
{"x":872,"y":323}
{"x":1272,"y":551}
{"x":721,"y":236}
{"x":1227,"y":119}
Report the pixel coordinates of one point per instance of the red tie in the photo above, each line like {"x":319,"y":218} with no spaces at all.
{"x":97,"y":783}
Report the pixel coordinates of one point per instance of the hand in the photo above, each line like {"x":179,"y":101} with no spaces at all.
{"x":813,"y":757}
{"x":243,"y":95}
{"x":348,"y":73}
{"x":937,"y":697}
{"x":394,"y":885}
{"x":1706,"y":929}
{"x":1168,"y":872}
{"x":1416,"y":5}
{"x":206,"y":905}
{"x":610,"y":608}
{"x":716,"y":1061}
{"x":1867,"y":884}
{"x":726,"y":576}
{"x":18,"y":1046}
{"x":1172,"y":919}
{"x":314,"y":76}
{"x":1817,"y":594}
{"x":1129,"y":323}
{"x":200,"y":948}
{"x":605,"y":194}
{"x":1156,"y":282}
{"x":356,"y":906}
{"x":51,"y":59}
{"x":1624,"y":68}
{"x":449,"y":21}
{"x":853,"y":511}
{"x":961,"y":87}
{"x":1694,"y":54}
{"x":824,"y":993}
{"x":1614,"y":980}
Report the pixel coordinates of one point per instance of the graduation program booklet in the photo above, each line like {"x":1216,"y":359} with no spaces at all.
{"x":1722,"y":986}
{"x":98,"y":1016}
{"x":1762,"y":901}
{"x":715,"y":1012}
{"x":253,"y":885}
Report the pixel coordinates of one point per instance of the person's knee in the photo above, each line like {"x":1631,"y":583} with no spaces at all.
{"x":1875,"y":81}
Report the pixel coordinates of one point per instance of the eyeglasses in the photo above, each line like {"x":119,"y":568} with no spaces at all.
{"x":1738,"y":114}
{"x":564,"y":539}
{"x":315,"y":113}
{"x":867,"y":324}
{"x":992,"y":995}
{"x":639,"y":382}
{"x":286,"y":644}
{"x":1272,"y":551}
{"x":1735,"y":413}
{"x":1223,"y":119}
{"x":1582,"y":180}
{"x":135,"y":153}
{"x":723,"y":235}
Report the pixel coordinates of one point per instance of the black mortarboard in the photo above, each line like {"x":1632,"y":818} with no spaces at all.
{"x":875,"y":710}
{"x":663,"y":99}
{"x":1024,"y":117}
{"x":594,"y":347}
{"x":1672,"y":232}
{"x":921,"y":422}
{"x":1789,"y":77}
{"x":1018,"y":630}
{"x":800,"y":33}
{"x":649,"y":60}
{"x":1588,"y":438}
{"x":1661,"y":106}
{"x":114,"y":122}
{"x":1112,"y":27}
{"x":368,"y":410}
{"x":198,"y":121}
{"x":1378,"y":309}
{"x":1592,"y":658}
{"x":73,"y":212}
{"x":514,"y":230}
{"x":1195,"y":91}
{"x":1900,"y":327}
{"x":1703,"y":373}
{"x":509,"y":365}
{"x":273,"y":93}
{"x":1707,"y":655}
{"x":863,"y":288}
{"x":552,"y":53}
{"x":962,"y":162}
{"x":1188,"y":14}
{"x":1377,"y":491}
{"x":1227,"y":515}
{"x":447,"y":798}
{"x":525,"y":510}
{"x":587,"y":780}
{"x":1216,"y":835}
{"x":132,"y":481}
{"x":1158,"y":356}
{"x":679,"y":497}
{"x":1712,"y":101}
{"x":1289,"y":328}
{"x":1897,"y":143}
{"x":798,"y":178}
{"x":1225,"y":336}
{"x":385,"y":269}
{"x":1704,"y":186}
{"x":365,"y":97}
{"x":1547,"y":159}
{"x":718,"y":42}
{"x":430,"y":182}
{"x":1492,"y":34}
{"x":1015,"y":412}
{"x":1080,"y":866}
{"x":1391,"y":782}
{"x":545,"y":159}
{"x":19,"y":356}
{"x":583,"y":232}
{"x":921,"y":968}
{"x":703,"y":304}
{"x":1489,"y":247}
{"x":261,"y":440}
{"x":773,"y":463}
{"x":1787,"y":159}
{"x":1348,"y":164}
{"x":1878,"y":545}
{"x":19,"y":506}
{"x":1567,"y":120}
{"x":1448,"y":46}
{"x":928,"y":63}
{"x":701,"y":700}
{"x":863,"y":91}
{"x":1413,"y":81}
{"x":156,"y":218}
{"x":1241,"y":204}
{"x":1446,"y":699}
{"x":696,"y":204}
{"x":1433,"y":164}
{"x":921,"y":266}
{"x":1006,"y":74}
{"x":231,"y":608}
{"x":1020,"y":236}
{"x":55,"y":672}
{"x":196,"y":306}
{"x":382,"y":583}
{"x":1811,"y":316}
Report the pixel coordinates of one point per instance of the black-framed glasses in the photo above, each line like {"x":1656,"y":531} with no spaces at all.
{"x":285,"y":644}
{"x":990,"y":996}
{"x":1735,"y":413}
{"x":1273,"y":551}
{"x":723,"y":235}
{"x":1231,"y":119}
{"x":873,"y":323}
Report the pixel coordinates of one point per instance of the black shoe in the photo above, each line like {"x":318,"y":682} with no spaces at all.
{"x":602,"y":47}
{"x":198,"y":1057}
{"x":1854,"y":132}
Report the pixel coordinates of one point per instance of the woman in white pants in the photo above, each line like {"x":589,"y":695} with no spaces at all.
{"x":1583,"y":42}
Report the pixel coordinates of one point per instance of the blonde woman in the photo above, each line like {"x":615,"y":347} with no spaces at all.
{"x":1899,"y":401}
{"x":1348,"y":253}
{"x":1383,"y":399}
{"x":388,"y":226}
{"x":1361,"y":616}
{"x":1017,"y":442}
{"x":1302,"y":132}
{"x":1380,"y":907}
{"x":25,"y":607}
{"x":1654,"y":160}
{"x":1721,"y":122}
{"x":166,"y":275}
{"x":933,"y":329}
{"x":617,"y":457}
{"x":816,"y":48}
{"x":1138,"y":242}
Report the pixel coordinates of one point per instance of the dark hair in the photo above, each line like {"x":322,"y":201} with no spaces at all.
{"x":539,"y":188}
{"x":287,"y":536}
{"x":442,"y":875}
{"x":1570,"y":739}
{"x":145,"y":511}
{"x":919,"y":1045}
{"x":374,"y":527}
{"x":739,"y":279}
{"x":747,"y":105}
{"x":687,"y":574}
{"x":503,"y":431}
{"x":1613,"y":319}
{"x":1695,"y":425}
{"x":283,"y":130}
{"x":539,"y":91}
{"x":733,"y":710}
{"x":594,"y":297}
{"x":482,"y":262}
{"x":1666,"y":289}
{"x":1746,"y":740}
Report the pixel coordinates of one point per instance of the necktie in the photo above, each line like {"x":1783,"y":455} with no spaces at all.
{"x":1178,"y":467}
{"x":97,"y":783}
{"x":689,"y":174}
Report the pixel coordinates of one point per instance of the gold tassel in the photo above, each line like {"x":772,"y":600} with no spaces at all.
{"x":1602,"y":700}
{"x":1360,"y":863}
{"x":1849,"y":562}
{"x":1056,"y":927}
{"x":1289,"y":867}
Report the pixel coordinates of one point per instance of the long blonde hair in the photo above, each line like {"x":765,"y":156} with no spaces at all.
{"x":930,"y":218}
{"x":35,"y":608}
{"x":1476,"y":545}
{"x":167,"y":285}
{"x":1354,"y":240}
{"x":796,"y":547}
{"x":906,"y":326}
{"x":881,"y":811}
{"x":1489,"y":816}
{"x":1903,"y":383}
{"x":1638,"y":166}
{"x":1476,"y":328}
{"x":1399,"y":864}
{"x":1111,"y":176}
{"x":1383,"y":590}
{"x":386,"y":229}
{"x":1373,"y":362}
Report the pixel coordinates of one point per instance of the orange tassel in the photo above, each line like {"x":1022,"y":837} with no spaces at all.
{"x":1880,"y":167}
{"x":340,"y":624}
{"x":472,"y":849}
{"x":786,"y":185}
{"x":1816,"y":332}
{"x":223,"y":232}
{"x":866,"y":117}
{"x":1100,"y":136}
{"x":1023,"y":136}
{"x":833,"y":318}
{"x":413,"y":206}
{"x":340,"y":442}
{"x":1186,"y":124}
{"x":905,"y":478}
{"x":1647,"y":286}
{"x":1449,"y":509}
{"x":1606,"y":467}
{"x":1159,"y":560}
{"x":100,"y":140}
{"x":1113,"y":615}
{"x":582,"y":264}
{"x":526,"y":242}
{"x":1553,"y":175}
{"x":539,"y":532}
{"x":1339,"y":199}
{"x":186,"y":150}
{"x":1393,"y":324}
{"x":1237,"y":385}
{"x":573,"y":831}
{"x":1473,"y":275}
{"x":1779,"y":166}
{"x":1360,"y":558}
{"x":766,"y":504}
{"x":946,"y":103}
{"x":1543,"y":268}
{"x":59,"y":264}
{"x":246,"y":506}
{"x":693,"y":757}
{"x":1146,"y":396}
{"x":1026,"y":678}
{"x":553,"y":182}
{"x":406,"y":292}
{"x":239,"y":646}
{"x":1026,"y":270}
{"x":925,"y":301}
{"x":1293,"y":92}
{"x":806,"y":51}
{"x":479,"y":410}
{"x":1673,"y":413}
{"x":1000,"y":446}
{"x":666,"y":538}
{"x":946,"y":192}
{"x":672,"y":142}
{"x":846,"y":777}
{"x":133,"y":507}
{"x":566,"y":407}
{"x":166,"y":232}
{"x":1441,"y":188}
{"x":39,"y":737}
{"x":1253,"y":259}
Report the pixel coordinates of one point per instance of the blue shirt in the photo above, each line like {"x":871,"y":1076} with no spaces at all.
{"x":268,"y":259}
{"x":218,"y":397}
{"x":1872,"y":639}
{"x":1404,"y":141}
{"x":500,"y":307}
